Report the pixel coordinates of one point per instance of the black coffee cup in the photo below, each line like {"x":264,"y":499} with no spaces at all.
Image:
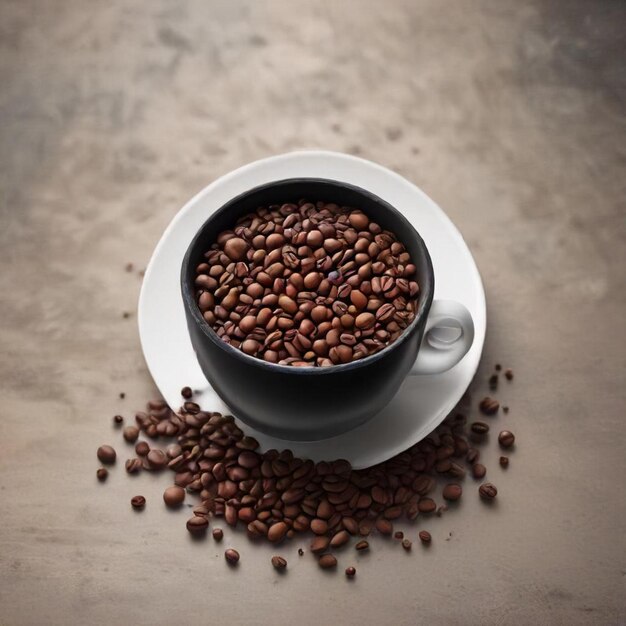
{"x":312,"y":403}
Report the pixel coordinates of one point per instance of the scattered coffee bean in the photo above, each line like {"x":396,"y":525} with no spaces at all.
{"x":340,"y":539}
{"x":102,"y":474}
{"x":472,"y":456}
{"x":493,"y":382}
{"x":138,"y":502}
{"x":231,"y":556}
{"x":186,"y":393}
{"x":142,"y":448}
{"x":384,"y":526}
{"x":506,"y":438}
{"x":131,"y":433}
{"x":363,"y":545}
{"x":407,"y":544}
{"x":133,"y":465}
{"x":326,"y":561}
{"x":197,"y":525}
{"x":478,"y":470}
{"x":118,"y":420}
{"x":106,"y":455}
{"x":508,"y":374}
{"x":425,"y":536}
{"x":487,"y":491}
{"x":279,"y":563}
{"x":498,"y":367}
{"x":504,"y":461}
{"x":300,"y":551}
{"x":350,"y":572}
{"x":218,"y":534}
{"x":307,"y":285}
{"x":174,"y":496}
{"x":122,"y":395}
{"x":157,"y":459}
{"x":505,"y":409}
{"x":452,"y":492}
{"x":398,"y":535}
{"x":489,"y":406}
{"x":480,"y":428}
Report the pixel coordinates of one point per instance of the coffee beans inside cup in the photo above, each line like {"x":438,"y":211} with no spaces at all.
{"x":307,"y":285}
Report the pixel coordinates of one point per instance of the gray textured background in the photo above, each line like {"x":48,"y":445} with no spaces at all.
{"x":509,"y":114}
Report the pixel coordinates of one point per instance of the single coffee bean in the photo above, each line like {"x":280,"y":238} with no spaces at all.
{"x":504,"y":461}
{"x":277,"y":532}
{"x":452,"y":492}
{"x":493,"y":382}
{"x":130,"y":433}
{"x":480,"y":428}
{"x":118,"y":420}
{"x":218,"y":534}
{"x":231,"y":556}
{"x":425,"y":536}
{"x":508,"y":374}
{"x":327,"y":561}
{"x":319,"y":544}
{"x":197,"y":525}
{"x":138,"y":502}
{"x":142,"y":448}
{"x":362,"y":545}
{"x":174,"y":496}
{"x":398,"y":535}
{"x":102,"y":474}
{"x":506,"y":438}
{"x":340,"y":539}
{"x":472,"y":456}
{"x":407,"y":544}
{"x":384,"y":526}
{"x":478,"y":470}
{"x":157,"y":459}
{"x":106,"y":455}
{"x":350,"y":572}
{"x":133,"y":465}
{"x":426,"y":505}
{"x":186,"y":393}
{"x":279,"y":563}
{"x":489,"y":406}
{"x":487,"y":491}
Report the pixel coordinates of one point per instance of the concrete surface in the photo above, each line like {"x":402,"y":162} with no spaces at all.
{"x":510,"y":114}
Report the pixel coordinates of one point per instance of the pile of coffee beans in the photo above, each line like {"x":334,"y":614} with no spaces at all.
{"x":307,"y":285}
{"x":277,"y":496}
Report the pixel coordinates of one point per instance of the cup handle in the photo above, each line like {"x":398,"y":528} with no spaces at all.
{"x":448,"y":336}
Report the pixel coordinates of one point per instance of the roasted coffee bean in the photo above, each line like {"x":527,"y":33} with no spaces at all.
{"x":327,"y":561}
{"x":363,"y":545}
{"x":186,"y":392}
{"x":308,"y":271}
{"x":508,"y":374}
{"x":157,"y":459}
{"x":138,"y":502}
{"x":384,"y":527}
{"x":425,"y":536}
{"x":407,"y":544}
{"x":102,"y":474}
{"x":218,"y":534}
{"x":277,"y":532}
{"x":279,"y":563}
{"x":197,"y":525}
{"x":398,"y":535}
{"x":131,"y":433}
{"x":506,"y":438}
{"x":118,"y":420}
{"x":319,"y":544}
{"x":504,"y":461}
{"x":106,"y":455}
{"x":489,"y":406}
{"x":480,"y":428}
{"x":487,"y":491}
{"x":231,"y":556}
{"x":142,"y":448}
{"x":452,"y":492}
{"x":426,"y":505}
{"x":133,"y":465}
{"x":350,"y":572}
{"x":174,"y":496}
{"x":340,"y":539}
{"x":478,"y":470}
{"x":472,"y":456}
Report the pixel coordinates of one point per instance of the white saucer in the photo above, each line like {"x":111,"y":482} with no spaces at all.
{"x":422,"y":402}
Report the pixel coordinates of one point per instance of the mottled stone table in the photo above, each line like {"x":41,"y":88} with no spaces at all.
{"x":510,"y":114}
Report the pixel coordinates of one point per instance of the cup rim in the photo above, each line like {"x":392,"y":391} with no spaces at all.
{"x":189,"y":301}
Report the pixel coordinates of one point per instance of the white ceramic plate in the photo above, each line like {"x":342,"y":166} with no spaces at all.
{"x":422,"y":402}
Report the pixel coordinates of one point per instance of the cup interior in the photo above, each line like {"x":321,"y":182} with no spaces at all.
{"x":313,"y":189}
